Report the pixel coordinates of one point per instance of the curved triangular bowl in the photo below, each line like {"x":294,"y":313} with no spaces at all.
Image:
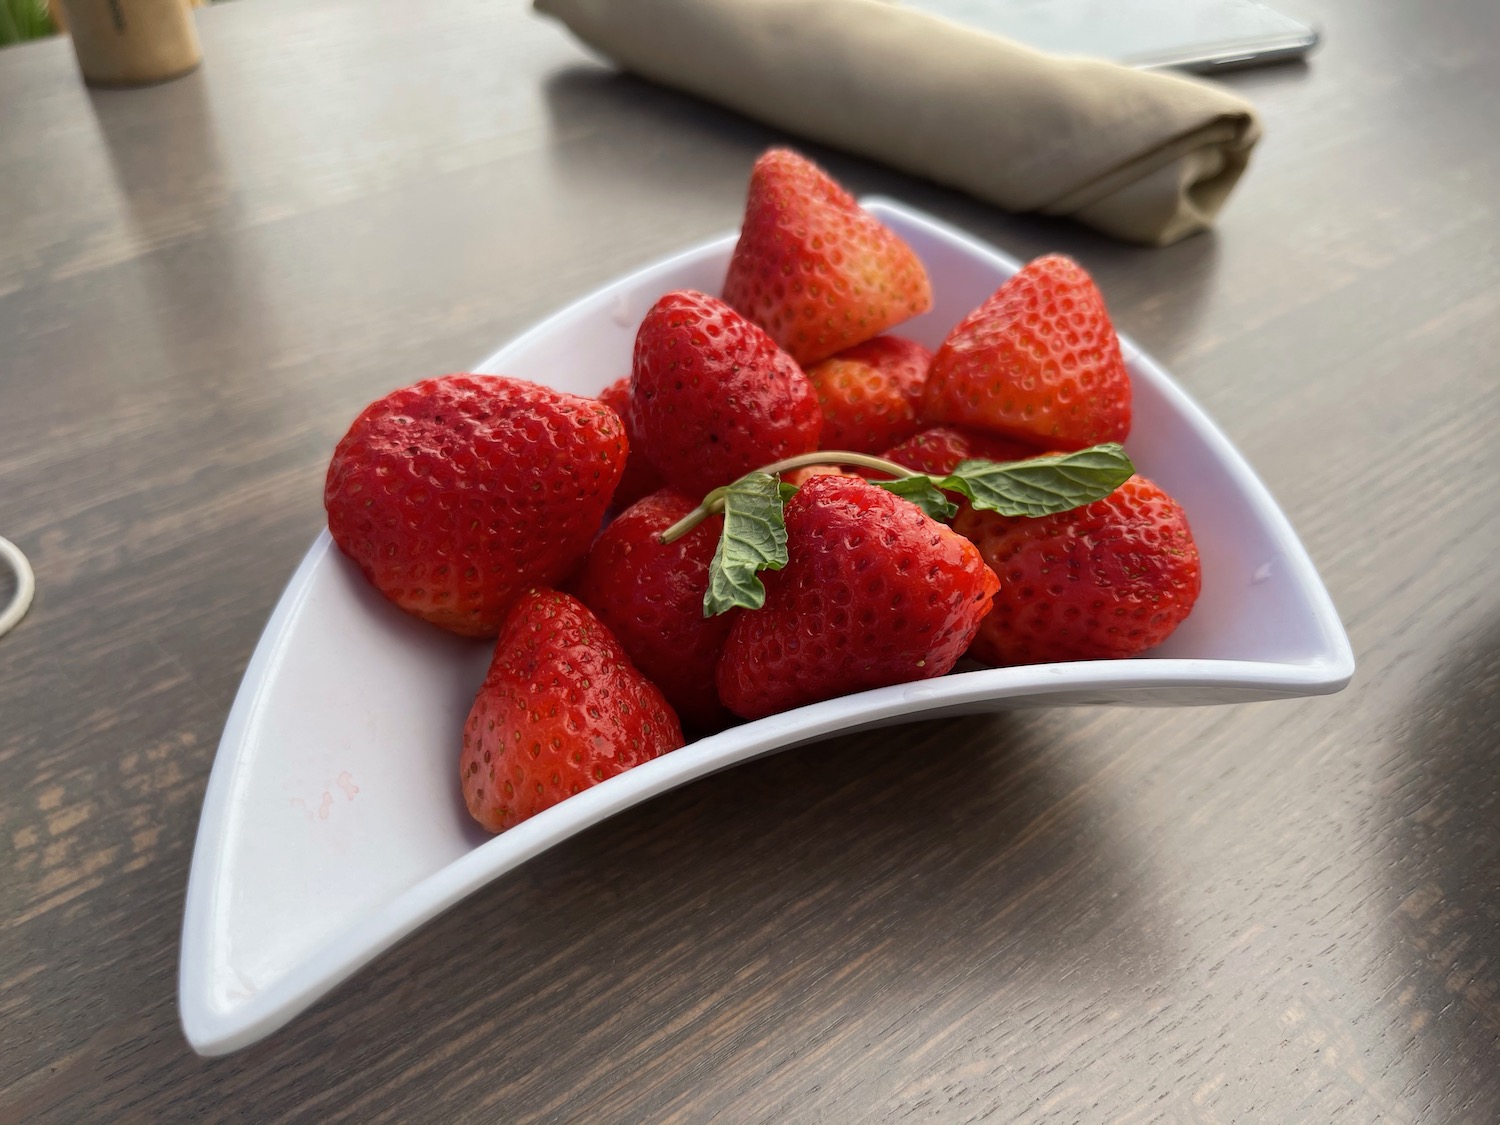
{"x":333,"y":824}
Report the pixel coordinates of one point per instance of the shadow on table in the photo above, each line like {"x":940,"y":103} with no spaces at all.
{"x":947,"y":865}
{"x":614,"y":129}
{"x":1444,"y":857}
{"x":1248,"y":79}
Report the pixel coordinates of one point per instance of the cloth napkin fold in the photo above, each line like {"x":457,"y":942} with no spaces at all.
{"x":1144,"y":156}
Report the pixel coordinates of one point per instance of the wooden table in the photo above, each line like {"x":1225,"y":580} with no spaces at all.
{"x":1274,"y":912}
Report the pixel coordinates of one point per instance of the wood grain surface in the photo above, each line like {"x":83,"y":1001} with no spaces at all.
{"x":1265,"y":913}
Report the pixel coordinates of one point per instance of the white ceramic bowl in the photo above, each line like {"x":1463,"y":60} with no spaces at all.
{"x":333,"y":824}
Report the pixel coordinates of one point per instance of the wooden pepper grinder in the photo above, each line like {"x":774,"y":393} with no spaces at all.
{"x":131,"y":42}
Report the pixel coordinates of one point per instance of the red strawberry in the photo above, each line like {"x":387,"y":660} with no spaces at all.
{"x":874,"y":593}
{"x":939,"y":450}
{"x":813,"y":268}
{"x":870,"y":393}
{"x":641,"y":478}
{"x":712,"y":396}
{"x":799,"y":477}
{"x":561,"y":708}
{"x":1110,"y":579}
{"x":1038,"y":361}
{"x":453,"y":494}
{"x":650,"y":595}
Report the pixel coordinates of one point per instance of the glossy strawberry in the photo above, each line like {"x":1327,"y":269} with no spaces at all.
{"x":561,"y":709}
{"x":453,"y":494}
{"x":874,"y":593}
{"x":650,"y":595}
{"x":870,"y":393}
{"x":1038,"y":361}
{"x":813,"y":268}
{"x":1111,"y":579}
{"x":939,"y":449}
{"x":799,"y":477}
{"x":712,"y":396}
{"x":641,"y":478}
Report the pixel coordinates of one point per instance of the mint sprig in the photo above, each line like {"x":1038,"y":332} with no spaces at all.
{"x":922,"y":492}
{"x":754,"y":536}
{"x":1042,"y":486}
{"x":753,"y":539}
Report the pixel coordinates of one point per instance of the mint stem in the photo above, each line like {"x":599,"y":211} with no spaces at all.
{"x":713,"y":503}
{"x":839,"y":457}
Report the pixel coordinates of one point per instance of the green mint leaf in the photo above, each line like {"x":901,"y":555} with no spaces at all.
{"x":1042,"y":486}
{"x":754,"y":539}
{"x":923,"y":493}
{"x":787,"y":491}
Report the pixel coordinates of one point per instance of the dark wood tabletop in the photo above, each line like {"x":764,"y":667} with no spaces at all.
{"x":1271,"y":912}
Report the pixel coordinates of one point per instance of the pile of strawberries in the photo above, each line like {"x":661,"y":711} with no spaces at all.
{"x":718,"y":592}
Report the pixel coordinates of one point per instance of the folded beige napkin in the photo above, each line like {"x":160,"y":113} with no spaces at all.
{"x":1142,"y":156}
